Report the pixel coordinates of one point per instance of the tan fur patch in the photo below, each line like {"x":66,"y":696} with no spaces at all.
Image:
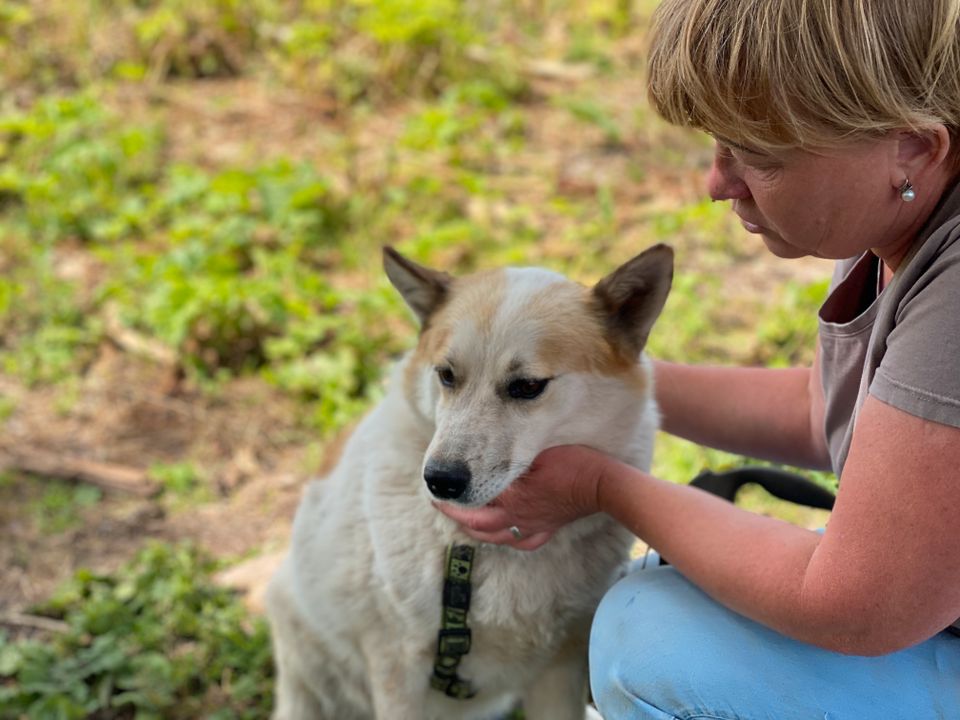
{"x":480,"y":296}
{"x":477,"y":297}
{"x":434,"y":338}
{"x":575,"y":339}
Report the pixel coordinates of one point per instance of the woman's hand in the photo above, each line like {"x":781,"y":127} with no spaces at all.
{"x":559,"y":487}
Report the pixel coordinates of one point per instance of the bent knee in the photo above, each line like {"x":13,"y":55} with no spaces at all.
{"x":636,"y":644}
{"x":660,"y":648}
{"x":657,"y":610}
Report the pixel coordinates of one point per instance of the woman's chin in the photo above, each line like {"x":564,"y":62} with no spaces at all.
{"x":781,"y":249}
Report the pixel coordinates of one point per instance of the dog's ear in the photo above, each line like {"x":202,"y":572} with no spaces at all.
{"x":631,"y":297}
{"x":423,"y":289}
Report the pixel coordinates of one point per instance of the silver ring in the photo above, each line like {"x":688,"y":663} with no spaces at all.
{"x":515,"y":531}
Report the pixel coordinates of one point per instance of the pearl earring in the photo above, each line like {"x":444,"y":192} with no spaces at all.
{"x":907,"y":193}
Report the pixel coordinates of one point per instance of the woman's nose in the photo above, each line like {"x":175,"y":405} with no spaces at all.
{"x":723,"y":180}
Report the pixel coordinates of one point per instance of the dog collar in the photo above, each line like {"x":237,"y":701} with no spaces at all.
{"x":453,"y":640}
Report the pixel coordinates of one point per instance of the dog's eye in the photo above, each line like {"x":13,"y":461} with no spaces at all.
{"x":525,"y":389}
{"x":446,"y":376}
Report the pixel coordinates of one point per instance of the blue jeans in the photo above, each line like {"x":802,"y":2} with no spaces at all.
{"x":661,"y":649}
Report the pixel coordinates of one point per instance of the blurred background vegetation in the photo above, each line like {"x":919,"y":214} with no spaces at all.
{"x":193,"y":198}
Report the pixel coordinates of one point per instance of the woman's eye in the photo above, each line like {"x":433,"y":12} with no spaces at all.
{"x":745,"y":155}
{"x":446,"y":376}
{"x":525,"y":389}
{"x":755,"y":158}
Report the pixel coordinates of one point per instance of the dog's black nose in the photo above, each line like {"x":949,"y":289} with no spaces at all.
{"x":447,"y":480}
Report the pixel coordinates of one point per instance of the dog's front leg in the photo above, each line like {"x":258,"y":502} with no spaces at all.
{"x":560,"y":693}
{"x":396,"y":689}
{"x":295,"y":698}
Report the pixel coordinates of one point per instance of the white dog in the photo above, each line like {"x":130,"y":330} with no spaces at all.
{"x":509,"y":362}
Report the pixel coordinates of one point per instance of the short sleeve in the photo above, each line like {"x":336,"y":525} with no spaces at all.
{"x":920,"y":369}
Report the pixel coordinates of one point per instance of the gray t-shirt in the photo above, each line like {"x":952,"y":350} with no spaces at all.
{"x":902,"y":345}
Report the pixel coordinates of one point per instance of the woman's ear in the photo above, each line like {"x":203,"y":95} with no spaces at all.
{"x":920,"y":152}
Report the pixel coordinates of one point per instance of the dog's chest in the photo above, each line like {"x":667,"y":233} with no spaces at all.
{"x":521,"y":604}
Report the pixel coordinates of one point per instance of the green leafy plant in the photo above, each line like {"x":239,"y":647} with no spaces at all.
{"x":156,"y":640}
{"x":7,"y":407}
{"x":234,"y":261}
{"x":591,"y":112}
{"x":243,"y":261}
{"x":61,"y":505}
{"x":75,"y":171}
{"x":46,"y":332}
{"x":183,"y":481}
{"x":788,"y":330}
{"x":377,"y":49}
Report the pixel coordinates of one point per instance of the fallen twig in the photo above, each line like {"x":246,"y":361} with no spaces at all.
{"x":538,"y":67}
{"x":33,"y":622}
{"x":135,"y":343}
{"x":111,"y":477}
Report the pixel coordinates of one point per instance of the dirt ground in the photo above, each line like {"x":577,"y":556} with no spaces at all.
{"x":245,"y":444}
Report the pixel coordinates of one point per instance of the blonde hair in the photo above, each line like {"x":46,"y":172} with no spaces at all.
{"x":775,"y":74}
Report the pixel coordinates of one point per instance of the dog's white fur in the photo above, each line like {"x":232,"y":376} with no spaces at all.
{"x":356,"y":606}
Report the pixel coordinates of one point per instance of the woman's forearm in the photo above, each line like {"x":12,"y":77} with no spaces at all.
{"x":753,"y":564}
{"x":771,"y":414}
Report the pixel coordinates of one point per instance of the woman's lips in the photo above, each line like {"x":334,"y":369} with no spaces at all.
{"x":751,"y":227}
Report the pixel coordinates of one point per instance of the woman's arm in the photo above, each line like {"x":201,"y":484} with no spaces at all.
{"x":771,"y":414}
{"x":885,"y":574}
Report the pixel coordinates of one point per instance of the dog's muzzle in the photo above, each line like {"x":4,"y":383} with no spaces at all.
{"x":447,"y":480}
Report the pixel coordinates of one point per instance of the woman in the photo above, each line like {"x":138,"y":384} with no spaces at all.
{"x":837,"y":127}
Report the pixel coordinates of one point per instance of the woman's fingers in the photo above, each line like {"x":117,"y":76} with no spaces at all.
{"x":491,"y":524}
{"x":485,"y":519}
{"x":506,"y":537}
{"x":534,"y":541}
